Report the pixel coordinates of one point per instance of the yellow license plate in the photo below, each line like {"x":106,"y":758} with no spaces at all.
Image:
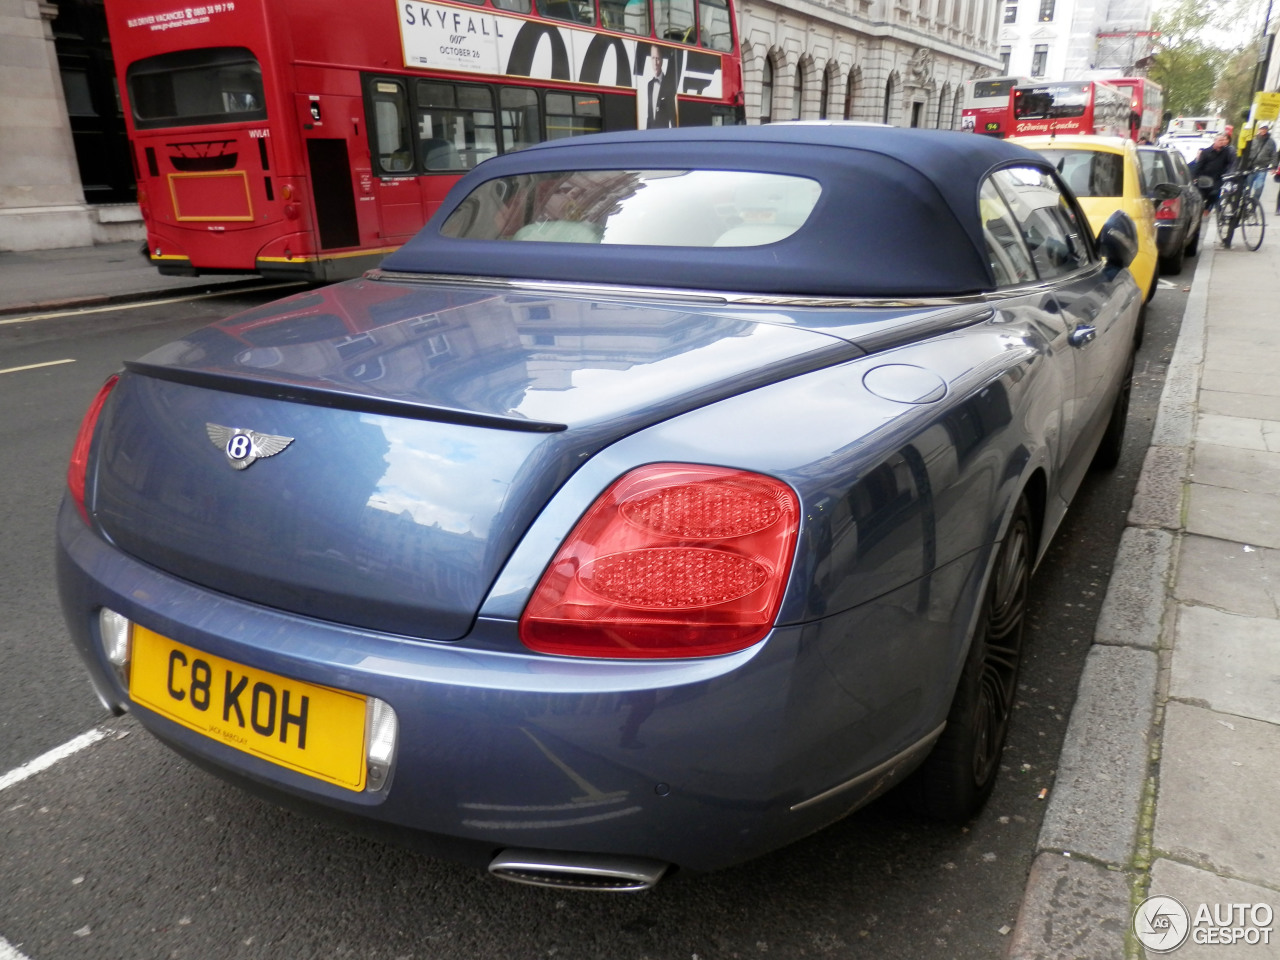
{"x":314,"y":730}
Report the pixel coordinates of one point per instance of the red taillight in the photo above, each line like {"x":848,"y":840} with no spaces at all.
{"x":1169,"y":209}
{"x":79,"y":464}
{"x":673,"y":560}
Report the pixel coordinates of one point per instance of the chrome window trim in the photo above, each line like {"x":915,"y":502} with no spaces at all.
{"x":575,"y":288}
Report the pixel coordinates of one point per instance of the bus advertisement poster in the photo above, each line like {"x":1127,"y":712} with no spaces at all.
{"x":439,"y":37}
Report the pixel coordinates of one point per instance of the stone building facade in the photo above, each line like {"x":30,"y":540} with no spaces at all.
{"x":902,"y":62}
{"x":58,"y":111}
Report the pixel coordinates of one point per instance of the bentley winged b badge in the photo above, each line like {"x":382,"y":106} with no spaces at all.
{"x":242,"y":446}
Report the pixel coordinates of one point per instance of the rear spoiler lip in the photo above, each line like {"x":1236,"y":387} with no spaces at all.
{"x":318,"y":396}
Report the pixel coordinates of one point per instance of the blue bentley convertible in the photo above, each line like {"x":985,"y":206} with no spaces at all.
{"x":668,"y":497}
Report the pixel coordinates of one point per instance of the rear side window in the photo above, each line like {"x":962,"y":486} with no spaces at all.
{"x":1182,"y":171}
{"x":1155,"y":167}
{"x":1053,"y":232}
{"x":1089,"y":173}
{"x":1010,"y":261}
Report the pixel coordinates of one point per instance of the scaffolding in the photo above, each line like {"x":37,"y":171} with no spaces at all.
{"x":1128,"y":51}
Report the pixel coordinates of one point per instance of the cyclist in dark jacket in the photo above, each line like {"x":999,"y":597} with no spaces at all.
{"x":1258,"y":158}
{"x":1214,"y":162}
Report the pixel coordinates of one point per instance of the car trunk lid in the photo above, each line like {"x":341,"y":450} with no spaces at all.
{"x":371,"y":454}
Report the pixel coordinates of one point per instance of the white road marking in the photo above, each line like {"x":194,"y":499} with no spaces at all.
{"x":43,"y":762}
{"x":35,"y":366}
{"x":47,"y":760}
{"x":133,"y":304}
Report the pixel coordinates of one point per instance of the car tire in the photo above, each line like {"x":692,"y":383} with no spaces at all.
{"x":959,"y":774}
{"x":1107,"y":456}
{"x":1194,"y":246}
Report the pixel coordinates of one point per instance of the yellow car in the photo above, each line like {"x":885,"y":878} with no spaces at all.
{"x":1105,"y":175}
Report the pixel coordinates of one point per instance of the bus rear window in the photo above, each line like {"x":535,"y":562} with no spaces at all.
{"x":1059,"y":101}
{"x":987,"y":89}
{"x":668,"y":208}
{"x":191,"y":87}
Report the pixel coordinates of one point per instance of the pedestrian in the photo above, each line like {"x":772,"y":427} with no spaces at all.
{"x":1214,"y":162}
{"x":1258,"y":159}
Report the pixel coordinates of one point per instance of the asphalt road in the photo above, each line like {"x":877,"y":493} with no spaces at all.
{"x":122,"y":850}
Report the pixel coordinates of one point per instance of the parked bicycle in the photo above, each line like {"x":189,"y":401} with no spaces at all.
{"x":1239,"y":211}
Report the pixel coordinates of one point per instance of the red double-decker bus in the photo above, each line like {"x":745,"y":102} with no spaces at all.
{"x":1077,"y":106}
{"x":986,"y":107}
{"x":306,"y":139}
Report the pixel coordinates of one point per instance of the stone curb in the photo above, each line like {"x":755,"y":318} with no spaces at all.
{"x":72,"y":316}
{"x":17,"y":313}
{"x":1077,"y":901}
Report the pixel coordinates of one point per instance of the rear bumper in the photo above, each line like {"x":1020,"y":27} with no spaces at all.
{"x":700,"y":763}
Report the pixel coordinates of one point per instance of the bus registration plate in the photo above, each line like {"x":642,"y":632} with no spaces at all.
{"x":314,"y":730}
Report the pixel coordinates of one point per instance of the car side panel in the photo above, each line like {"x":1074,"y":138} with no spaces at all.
{"x":1109,"y":308}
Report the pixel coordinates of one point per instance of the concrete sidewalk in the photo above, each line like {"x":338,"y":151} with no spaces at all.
{"x":44,"y":281}
{"x":1169,"y":780}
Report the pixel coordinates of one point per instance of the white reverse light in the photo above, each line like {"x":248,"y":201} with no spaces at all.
{"x":381,"y":730}
{"x":114,"y":630}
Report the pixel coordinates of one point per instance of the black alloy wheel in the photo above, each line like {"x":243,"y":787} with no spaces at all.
{"x":959,"y":774}
{"x":1006,"y":608}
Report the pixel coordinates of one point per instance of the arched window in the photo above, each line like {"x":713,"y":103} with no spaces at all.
{"x":797,"y":96}
{"x":888,"y":99}
{"x":850,"y":91}
{"x":942,"y":107}
{"x":826,"y":95}
{"x":766,"y":92}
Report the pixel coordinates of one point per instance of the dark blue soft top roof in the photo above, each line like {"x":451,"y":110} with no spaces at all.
{"x":898,"y":215}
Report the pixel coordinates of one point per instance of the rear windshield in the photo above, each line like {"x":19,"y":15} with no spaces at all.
{"x":986,"y":89}
{"x":1087,"y":173}
{"x":194,"y":87}
{"x":668,"y":208}
{"x":1052,"y":102}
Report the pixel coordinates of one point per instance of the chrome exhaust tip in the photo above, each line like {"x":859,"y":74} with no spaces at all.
{"x":577,"y":871}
